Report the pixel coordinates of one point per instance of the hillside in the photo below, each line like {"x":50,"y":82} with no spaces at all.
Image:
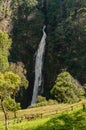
{"x":66,"y":118}
{"x":66,"y":37}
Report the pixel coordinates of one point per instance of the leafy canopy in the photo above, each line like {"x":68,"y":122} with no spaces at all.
{"x":9,"y":83}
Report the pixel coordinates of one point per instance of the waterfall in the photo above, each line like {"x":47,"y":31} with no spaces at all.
{"x":39,"y":66}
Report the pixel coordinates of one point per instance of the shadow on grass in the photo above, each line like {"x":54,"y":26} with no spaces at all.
{"x":75,"y":121}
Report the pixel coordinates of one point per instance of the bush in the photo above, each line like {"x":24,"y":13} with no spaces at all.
{"x":45,"y":103}
{"x":41,"y":99}
{"x":52,"y":102}
{"x":67,"y":89}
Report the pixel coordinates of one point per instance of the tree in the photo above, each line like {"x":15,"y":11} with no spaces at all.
{"x":9,"y":85}
{"x":19,"y":69}
{"x":67,"y":89}
{"x":5,"y":43}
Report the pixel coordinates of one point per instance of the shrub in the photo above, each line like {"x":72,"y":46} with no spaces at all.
{"x":52,"y":102}
{"x":67,"y":89}
{"x":41,"y":99}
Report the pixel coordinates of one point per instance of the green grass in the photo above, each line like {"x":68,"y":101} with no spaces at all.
{"x":72,"y":121}
{"x":45,"y":111}
{"x":54,"y":117}
{"x":26,"y":125}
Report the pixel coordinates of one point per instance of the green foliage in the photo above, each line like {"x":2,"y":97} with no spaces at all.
{"x":31,"y":3}
{"x":13,"y":81}
{"x":84,"y":86}
{"x":44,"y":103}
{"x":23,"y":44}
{"x":2,"y":83}
{"x":26,"y":5}
{"x":19,"y":69}
{"x":9,"y":84}
{"x":66,"y":90}
{"x":51,"y":102}
{"x":4,"y":64}
{"x":41,"y":99}
{"x":66,"y":39}
{"x":65,"y":122}
{"x":11,"y":105}
{"x":75,"y":120}
{"x":5,"y":43}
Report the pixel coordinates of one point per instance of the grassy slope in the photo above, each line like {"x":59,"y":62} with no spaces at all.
{"x":37,"y":110}
{"x":72,"y":121}
{"x":44,"y":110}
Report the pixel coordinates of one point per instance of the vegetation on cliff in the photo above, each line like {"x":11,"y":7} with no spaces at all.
{"x":66,"y":37}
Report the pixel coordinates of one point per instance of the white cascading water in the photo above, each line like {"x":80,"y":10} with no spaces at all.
{"x":39,"y":66}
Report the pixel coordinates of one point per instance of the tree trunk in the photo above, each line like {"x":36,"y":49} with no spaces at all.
{"x":6,"y":121}
{"x":5,"y":115}
{"x":15,"y":115}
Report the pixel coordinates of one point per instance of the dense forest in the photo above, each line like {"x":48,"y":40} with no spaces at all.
{"x":22,"y":21}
